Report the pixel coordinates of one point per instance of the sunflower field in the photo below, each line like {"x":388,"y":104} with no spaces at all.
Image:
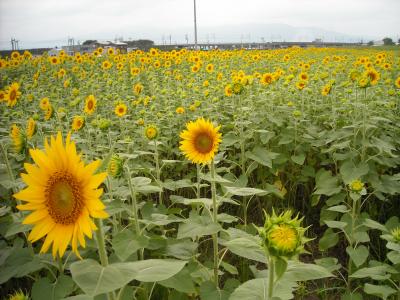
{"x":240,"y":175}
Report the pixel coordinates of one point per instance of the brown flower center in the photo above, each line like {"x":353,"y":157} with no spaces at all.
{"x":203,"y":143}
{"x":63,"y":198}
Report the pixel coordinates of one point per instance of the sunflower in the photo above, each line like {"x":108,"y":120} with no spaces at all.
{"x":373,"y":76}
{"x":17,"y":138}
{"x":137,"y":88}
{"x":151,"y":132}
{"x":210,"y":68}
{"x":12,"y":94}
{"x":44,"y":103}
{"x":303,"y":76}
{"x":121,"y":109}
{"x":49,"y":113}
{"x":90,"y":104}
{"x":228,"y":90}
{"x":30,"y":128}
{"x":397,"y":82}
{"x":282,"y":235}
{"x":267,"y":78}
{"x":106,"y":65}
{"x":135,"y":71}
{"x":54,"y":60}
{"x":200,"y":141}
{"x":62,"y":194}
{"x":326,"y":90}
{"x":77,"y":123}
{"x":300,"y":85}
{"x":2,"y":96}
{"x":195,"y":68}
{"x":180,"y":110}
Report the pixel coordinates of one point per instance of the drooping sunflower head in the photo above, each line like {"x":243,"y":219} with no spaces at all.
{"x":77,"y":123}
{"x":282,"y":235}
{"x":62,"y":194}
{"x":30,"y":128}
{"x":200,"y":141}
{"x":151,"y":132}
{"x":115,"y":166}
{"x":18,"y":139}
{"x":397,"y":82}
{"x":120,"y":109}
{"x":90,"y":104}
{"x":48,"y":113}
{"x":12,"y":94}
{"x":372,"y":75}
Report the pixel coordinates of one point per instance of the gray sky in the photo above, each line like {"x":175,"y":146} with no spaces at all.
{"x":50,"y":22}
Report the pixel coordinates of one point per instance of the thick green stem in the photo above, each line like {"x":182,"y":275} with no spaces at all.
{"x":215,"y":220}
{"x":101,"y":246}
{"x":134,"y":207}
{"x":271,"y":274}
{"x":134,"y":201}
{"x":158,"y":171}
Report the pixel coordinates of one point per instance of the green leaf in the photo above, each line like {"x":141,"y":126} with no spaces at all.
{"x":381,"y":291}
{"x":326,"y":184}
{"x":339,"y":208}
{"x":350,"y":171}
{"x":43,"y":289}
{"x":377,"y":273}
{"x":181,"y":249}
{"x":181,"y":282}
{"x":95,"y":279}
{"x":358,"y":255}
{"x":245,"y":191}
{"x":298,"y":271}
{"x":374,"y":225}
{"x":197,"y":226}
{"x":336,"y":224}
{"x":298,"y":159}
{"x":208,"y":291}
{"x":262,"y":156}
{"x":140,"y":181}
{"x":248,"y":247}
{"x":125,"y":243}
{"x":257,"y":289}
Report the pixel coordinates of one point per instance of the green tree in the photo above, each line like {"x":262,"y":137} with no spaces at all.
{"x":388,"y":41}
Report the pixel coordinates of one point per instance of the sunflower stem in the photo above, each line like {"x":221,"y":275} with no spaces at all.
{"x":215,"y":220}
{"x":134,"y":206}
{"x":101,"y":246}
{"x":271,"y":274}
{"x":158,"y":171}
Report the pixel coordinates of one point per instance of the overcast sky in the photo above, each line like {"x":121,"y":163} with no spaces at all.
{"x":47,"y":22}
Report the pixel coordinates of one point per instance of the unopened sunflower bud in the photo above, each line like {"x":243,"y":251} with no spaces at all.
{"x":115,"y":166}
{"x":283,"y":236}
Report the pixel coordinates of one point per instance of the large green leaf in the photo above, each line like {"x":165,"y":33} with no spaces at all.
{"x":125,"y":243}
{"x":246,"y":247}
{"x":298,"y":271}
{"x":181,"y":282}
{"x":326,"y":184}
{"x":381,"y":291}
{"x":257,"y":289}
{"x":95,"y":279}
{"x":245,"y":191}
{"x":262,"y":156}
{"x":358,"y":255}
{"x":351,"y":171}
{"x":197,"y":226}
{"x":44,"y":289}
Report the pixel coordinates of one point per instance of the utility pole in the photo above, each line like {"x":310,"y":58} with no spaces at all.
{"x":195,"y":25}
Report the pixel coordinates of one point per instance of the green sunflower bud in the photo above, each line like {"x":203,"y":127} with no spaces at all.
{"x":283,"y":236}
{"x":115,"y":166}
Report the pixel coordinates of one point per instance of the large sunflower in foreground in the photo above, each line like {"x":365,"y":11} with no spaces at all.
{"x":62,"y":194}
{"x":200,"y":141}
